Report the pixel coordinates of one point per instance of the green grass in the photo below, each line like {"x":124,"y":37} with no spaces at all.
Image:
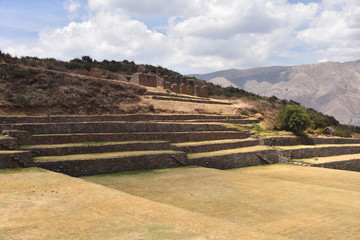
{"x":228,"y":151}
{"x":20,"y":170}
{"x":100,"y":155}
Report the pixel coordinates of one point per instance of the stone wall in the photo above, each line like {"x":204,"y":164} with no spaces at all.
{"x":196,"y":100}
{"x":125,"y":117}
{"x":237,"y":160}
{"x":112,"y":165}
{"x":289,"y":141}
{"x":114,"y":127}
{"x":350,"y":165}
{"x":216,"y":146}
{"x":8,"y":143}
{"x":15,"y":159}
{"x":108,"y":147}
{"x":184,"y":86}
{"x":167,"y":136}
{"x":320,"y":151}
{"x":144,"y":80}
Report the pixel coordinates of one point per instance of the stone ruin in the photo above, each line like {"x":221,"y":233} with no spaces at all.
{"x":174,"y":84}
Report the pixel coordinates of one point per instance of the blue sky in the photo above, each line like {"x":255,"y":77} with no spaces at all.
{"x":185,"y":35}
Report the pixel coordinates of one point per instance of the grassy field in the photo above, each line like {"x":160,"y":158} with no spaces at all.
{"x":337,"y":158}
{"x":38,"y":204}
{"x":293,"y":201}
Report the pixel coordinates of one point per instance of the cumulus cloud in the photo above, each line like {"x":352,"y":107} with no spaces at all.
{"x":71,"y":6}
{"x":206,"y":35}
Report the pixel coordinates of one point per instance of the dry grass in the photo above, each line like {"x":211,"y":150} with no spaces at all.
{"x":36,"y":204}
{"x":211,"y":142}
{"x":316,"y":146}
{"x":100,"y":155}
{"x":337,"y":158}
{"x":9,"y":151}
{"x":228,"y":151}
{"x":84,"y":144}
{"x":294,"y":201}
{"x":193,"y":108}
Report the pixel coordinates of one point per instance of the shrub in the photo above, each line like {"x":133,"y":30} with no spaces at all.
{"x":22,"y":100}
{"x":321,"y":120}
{"x":244,"y":112}
{"x":294,"y":118}
{"x":7,"y":95}
{"x":342,"y":131}
{"x":3,"y":74}
{"x":21,"y":73}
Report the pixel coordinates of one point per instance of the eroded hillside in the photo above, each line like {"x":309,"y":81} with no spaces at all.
{"x":35,"y":90}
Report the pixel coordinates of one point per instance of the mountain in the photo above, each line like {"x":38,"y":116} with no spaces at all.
{"x":331,"y":87}
{"x":221,"y":81}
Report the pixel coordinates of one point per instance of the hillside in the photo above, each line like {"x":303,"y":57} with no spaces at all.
{"x":332,"y":88}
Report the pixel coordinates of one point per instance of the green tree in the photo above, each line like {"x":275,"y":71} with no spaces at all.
{"x":294,"y":118}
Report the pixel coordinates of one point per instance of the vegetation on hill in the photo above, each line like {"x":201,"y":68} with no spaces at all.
{"x":294,"y":118}
{"x":33,"y":85}
{"x":29,"y":86}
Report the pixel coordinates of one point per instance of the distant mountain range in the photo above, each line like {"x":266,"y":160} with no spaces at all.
{"x":332,"y":87}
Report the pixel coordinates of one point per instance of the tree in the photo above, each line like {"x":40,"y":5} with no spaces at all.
{"x":294,"y":118}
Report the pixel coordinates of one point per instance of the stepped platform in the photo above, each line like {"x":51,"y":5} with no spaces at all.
{"x":322,"y":150}
{"x":290,"y":141}
{"x":94,"y":147}
{"x":234,"y":158}
{"x":113,"y":127}
{"x":15,"y":159}
{"x":173,"y":137}
{"x":350,"y":162}
{"x":180,"y":99}
{"x":88,"y":145}
{"x":215,"y":145}
{"x":104,"y":163}
{"x":117,"y":118}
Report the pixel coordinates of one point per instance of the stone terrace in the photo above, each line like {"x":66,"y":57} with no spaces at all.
{"x":90,"y":145}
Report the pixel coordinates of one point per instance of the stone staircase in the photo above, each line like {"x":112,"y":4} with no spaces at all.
{"x":90,"y":145}
{"x":86,"y":145}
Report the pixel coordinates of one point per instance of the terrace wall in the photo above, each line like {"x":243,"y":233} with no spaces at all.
{"x":350,"y":165}
{"x":105,"y":166}
{"x":236,"y":160}
{"x":18,"y":159}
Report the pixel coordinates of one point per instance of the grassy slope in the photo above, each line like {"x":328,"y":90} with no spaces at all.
{"x":37,"y":204}
{"x":337,"y":158}
{"x":297,"y":202}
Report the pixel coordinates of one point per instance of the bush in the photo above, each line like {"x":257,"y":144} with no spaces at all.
{"x":7,"y":95}
{"x":321,"y":120}
{"x":3,"y":74}
{"x":342,"y":131}
{"x":21,"y":73}
{"x":22,"y":100}
{"x":294,"y":118}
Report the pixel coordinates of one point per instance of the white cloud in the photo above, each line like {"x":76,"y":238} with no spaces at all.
{"x":71,"y":5}
{"x":206,"y":35}
{"x":335,"y":31}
